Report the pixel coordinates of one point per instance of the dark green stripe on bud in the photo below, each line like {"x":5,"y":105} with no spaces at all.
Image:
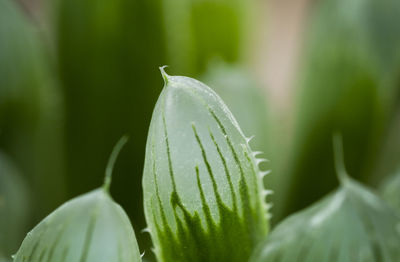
{"x":203,"y":190}
{"x":89,"y":228}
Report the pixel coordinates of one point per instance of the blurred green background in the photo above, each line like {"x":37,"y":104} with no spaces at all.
{"x":76,"y":75}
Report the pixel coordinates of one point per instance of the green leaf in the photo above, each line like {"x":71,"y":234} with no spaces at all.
{"x":351,"y":224}
{"x":90,"y":228}
{"x":202,"y":186}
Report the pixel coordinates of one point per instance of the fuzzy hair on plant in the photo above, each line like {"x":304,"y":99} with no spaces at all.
{"x":203,"y":190}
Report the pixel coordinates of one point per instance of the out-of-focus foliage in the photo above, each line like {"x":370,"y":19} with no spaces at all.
{"x":108,"y":56}
{"x":351,"y":224}
{"x":391,"y":191}
{"x":202,"y":186}
{"x":14,"y":207}
{"x":198,"y":31}
{"x":388,"y":161}
{"x":30,"y":123}
{"x":349,"y":79}
{"x":240,"y":91}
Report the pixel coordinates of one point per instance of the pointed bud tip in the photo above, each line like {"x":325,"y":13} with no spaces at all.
{"x":164,"y":74}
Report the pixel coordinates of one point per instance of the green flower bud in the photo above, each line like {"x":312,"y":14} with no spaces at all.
{"x":202,"y":187}
{"x":351,"y":224}
{"x":89,"y":228}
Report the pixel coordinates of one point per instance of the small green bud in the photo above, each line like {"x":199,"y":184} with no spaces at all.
{"x":203,"y":190}
{"x":89,"y":228}
{"x":351,"y":224}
